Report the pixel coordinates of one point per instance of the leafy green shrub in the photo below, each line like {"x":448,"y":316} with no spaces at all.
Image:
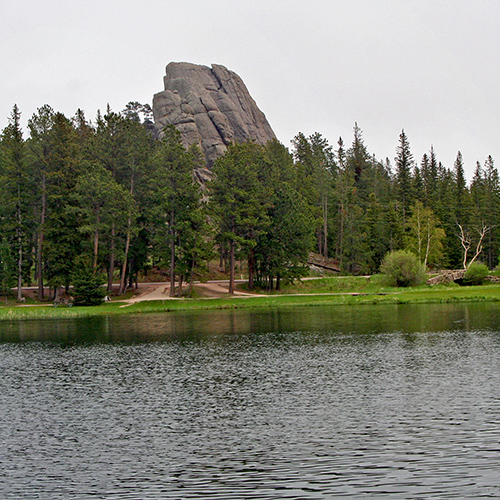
{"x":87,"y":287}
{"x":403,"y":269}
{"x":475,"y":274}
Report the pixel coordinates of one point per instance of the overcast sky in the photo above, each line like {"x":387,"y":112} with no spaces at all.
{"x":430,"y":67}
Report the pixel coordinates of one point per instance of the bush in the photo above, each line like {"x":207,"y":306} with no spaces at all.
{"x":402,"y":269}
{"x":87,"y":287}
{"x":475,"y":274}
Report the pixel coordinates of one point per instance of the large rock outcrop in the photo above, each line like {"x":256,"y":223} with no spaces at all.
{"x":211,"y":107}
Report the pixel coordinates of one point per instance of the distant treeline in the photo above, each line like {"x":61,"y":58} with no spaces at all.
{"x":109,"y":198}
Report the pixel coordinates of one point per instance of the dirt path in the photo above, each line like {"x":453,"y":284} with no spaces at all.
{"x":161,"y":291}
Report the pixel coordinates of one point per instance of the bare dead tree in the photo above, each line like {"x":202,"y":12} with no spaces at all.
{"x":466,"y":242}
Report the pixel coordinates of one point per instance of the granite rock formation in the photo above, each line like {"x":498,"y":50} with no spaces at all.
{"x":210,"y":107}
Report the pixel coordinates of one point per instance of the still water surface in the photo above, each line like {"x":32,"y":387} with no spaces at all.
{"x":323,"y":402}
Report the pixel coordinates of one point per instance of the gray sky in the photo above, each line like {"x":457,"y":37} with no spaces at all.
{"x":429,"y":67}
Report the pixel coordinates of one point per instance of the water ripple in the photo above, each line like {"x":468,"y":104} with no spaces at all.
{"x":269,"y":415}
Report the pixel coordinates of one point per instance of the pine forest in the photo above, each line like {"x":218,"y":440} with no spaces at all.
{"x":107,"y":200}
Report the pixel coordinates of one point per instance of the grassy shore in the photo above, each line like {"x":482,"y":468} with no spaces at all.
{"x":327,"y":291}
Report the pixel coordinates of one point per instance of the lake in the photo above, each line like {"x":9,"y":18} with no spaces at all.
{"x":318,"y":402}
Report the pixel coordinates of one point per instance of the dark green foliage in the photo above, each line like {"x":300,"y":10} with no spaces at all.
{"x":358,"y":161}
{"x":475,"y":274}
{"x":403,"y":269}
{"x":87,"y":285}
{"x":127,"y":202}
{"x":404,"y":165}
{"x":15,"y":193}
{"x":281,"y":252}
{"x":485,"y":194}
{"x":315,"y":167}
{"x":179,"y":228}
{"x":61,"y":243}
{"x":240,"y":200}
{"x":7,"y":268}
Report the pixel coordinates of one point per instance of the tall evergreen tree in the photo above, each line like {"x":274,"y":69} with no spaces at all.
{"x":178,"y":201}
{"x":316,"y":168}
{"x":61,"y":243}
{"x":239,"y":200}
{"x":358,"y":160}
{"x":491,"y":211}
{"x":282,"y":250}
{"x":404,"y":166}
{"x":16,"y":193}
{"x":124,"y":147}
{"x":39,"y":146}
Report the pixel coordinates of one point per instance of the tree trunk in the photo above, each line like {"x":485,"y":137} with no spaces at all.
{"x":20,"y":245}
{"x":111,"y":270}
{"x":123,"y":276}
{"x":191,"y":277}
{"x":251,"y":269}
{"x":325,"y":226}
{"x":341,"y":250}
{"x":231,"y":268}
{"x":193,"y":264}
{"x":39,"y":256}
{"x":20,"y":267}
{"x":172,"y":263}
{"x":96,"y":243}
{"x":130,"y":275}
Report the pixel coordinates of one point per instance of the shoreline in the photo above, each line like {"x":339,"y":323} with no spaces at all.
{"x":155,"y":301}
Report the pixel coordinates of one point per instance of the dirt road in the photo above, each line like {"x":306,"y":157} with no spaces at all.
{"x":161,"y":291}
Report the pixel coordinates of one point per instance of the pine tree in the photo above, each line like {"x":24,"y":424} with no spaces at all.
{"x":358,"y":159}
{"x":87,"y":284}
{"x":404,"y":166}
{"x":123,"y":146}
{"x":7,"y":268}
{"x":61,"y":243}
{"x":16,"y":193}
{"x":239,"y":200}
{"x":39,"y":156}
{"x":491,"y":207}
{"x":316,"y":168}
{"x":178,"y":201}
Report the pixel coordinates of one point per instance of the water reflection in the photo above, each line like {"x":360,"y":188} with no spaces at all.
{"x":376,"y":402}
{"x":221,"y":325}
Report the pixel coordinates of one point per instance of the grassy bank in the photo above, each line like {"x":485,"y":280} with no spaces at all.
{"x":334,"y":291}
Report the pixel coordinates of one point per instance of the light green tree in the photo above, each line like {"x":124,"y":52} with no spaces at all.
{"x":425,"y":236}
{"x":403,"y":269}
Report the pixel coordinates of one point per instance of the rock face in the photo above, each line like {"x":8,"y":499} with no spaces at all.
{"x":211,"y":107}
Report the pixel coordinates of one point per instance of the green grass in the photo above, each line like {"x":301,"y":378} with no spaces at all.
{"x":344,"y":284}
{"x":334,"y":291}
